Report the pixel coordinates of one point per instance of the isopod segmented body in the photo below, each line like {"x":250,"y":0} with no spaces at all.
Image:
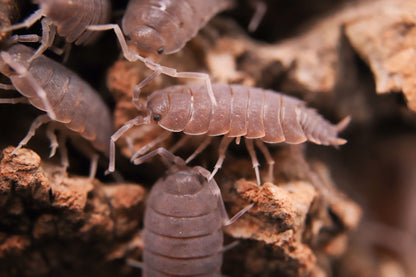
{"x":165,"y":26}
{"x":183,"y":223}
{"x":241,"y":111}
{"x":182,"y":228}
{"x":71,"y":19}
{"x":51,"y":87}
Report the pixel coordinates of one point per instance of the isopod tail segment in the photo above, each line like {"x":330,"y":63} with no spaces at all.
{"x":158,"y":69}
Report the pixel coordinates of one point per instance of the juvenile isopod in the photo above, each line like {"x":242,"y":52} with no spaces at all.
{"x":67,"y":99}
{"x":183,"y":223}
{"x":252,"y":113}
{"x":70,"y":18}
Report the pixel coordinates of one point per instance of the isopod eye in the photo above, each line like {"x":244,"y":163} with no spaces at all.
{"x":160,"y":50}
{"x":156,"y":117}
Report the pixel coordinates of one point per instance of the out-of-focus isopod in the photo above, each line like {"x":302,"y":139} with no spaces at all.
{"x":183,"y":223}
{"x":67,"y":99}
{"x":70,"y":18}
{"x":252,"y":113}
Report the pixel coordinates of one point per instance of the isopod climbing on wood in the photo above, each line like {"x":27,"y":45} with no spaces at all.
{"x":252,"y":113}
{"x":67,"y":99}
{"x":183,"y":222}
{"x":70,"y":18}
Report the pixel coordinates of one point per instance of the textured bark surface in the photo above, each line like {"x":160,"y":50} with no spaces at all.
{"x":49,"y":221}
{"x":345,"y":211}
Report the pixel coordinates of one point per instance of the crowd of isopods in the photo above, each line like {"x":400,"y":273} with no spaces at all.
{"x":185,"y":213}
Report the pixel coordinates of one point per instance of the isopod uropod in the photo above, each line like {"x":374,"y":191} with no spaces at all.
{"x":183,"y":222}
{"x":70,"y":18}
{"x":67,"y":99}
{"x":252,"y":113}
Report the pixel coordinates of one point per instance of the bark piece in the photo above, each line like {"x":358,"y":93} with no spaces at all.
{"x":48,"y":220}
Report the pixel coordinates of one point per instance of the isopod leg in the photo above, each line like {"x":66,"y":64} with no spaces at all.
{"x":131,"y":56}
{"x":163,"y":153}
{"x":268,"y":156}
{"x":130,"y":144}
{"x":149,"y":146}
{"x":221,"y":154}
{"x":181,"y":142}
{"x":230,"y":246}
{"x":252,"y":152}
{"x":7,"y":87}
{"x":213,"y":186}
{"x":93,"y":166}
{"x":199,"y":149}
{"x":137,"y":90}
{"x":134,"y":263}
{"x":215,"y":190}
{"x":16,"y":100}
{"x":238,"y":215}
{"x":48,"y":36}
{"x":50,"y":133}
{"x":129,"y":124}
{"x":25,"y":24}
{"x":24,"y":38}
{"x":105,"y":27}
{"x":260,"y":8}
{"x":24,"y":73}
{"x":192,"y":75}
{"x":64,"y":154}
{"x":40,"y":120}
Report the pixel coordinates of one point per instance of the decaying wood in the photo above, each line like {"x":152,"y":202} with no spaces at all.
{"x":48,"y":221}
{"x":382,"y":32}
{"x":290,"y":220}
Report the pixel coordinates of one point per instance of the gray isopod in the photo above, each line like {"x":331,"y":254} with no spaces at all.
{"x":183,"y":223}
{"x":67,"y":99}
{"x":252,"y":113}
{"x":155,"y":27}
{"x":70,"y":18}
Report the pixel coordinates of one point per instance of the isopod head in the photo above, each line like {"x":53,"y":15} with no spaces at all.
{"x":157,"y":105}
{"x":147,"y":41}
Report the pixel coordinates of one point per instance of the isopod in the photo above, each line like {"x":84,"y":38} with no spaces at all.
{"x":155,"y":27}
{"x":183,"y":222}
{"x":252,"y":113}
{"x":67,"y":99}
{"x":70,"y":18}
